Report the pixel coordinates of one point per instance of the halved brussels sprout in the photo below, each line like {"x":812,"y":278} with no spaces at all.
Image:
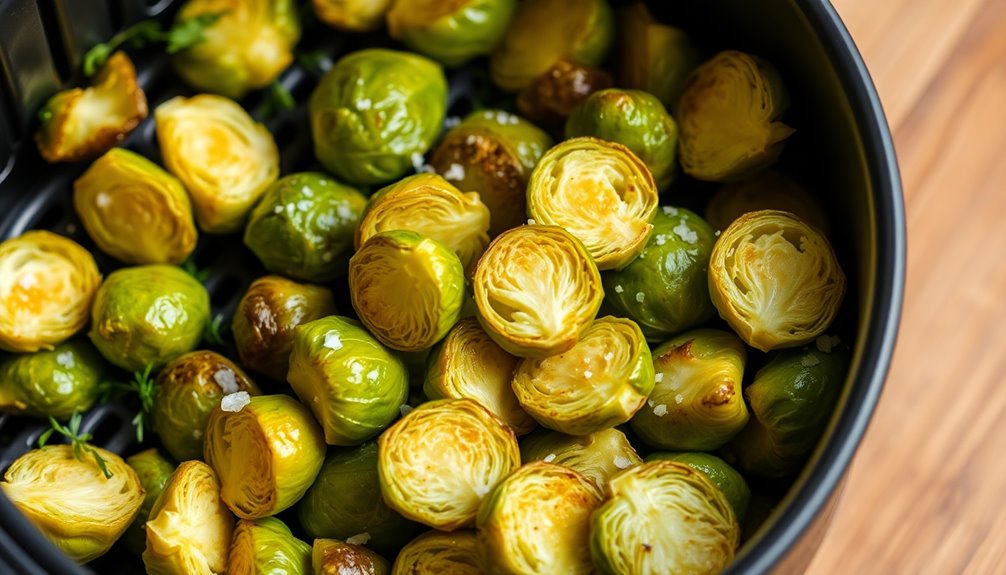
{"x":304,"y":226}
{"x":438,"y":462}
{"x":148,"y":315}
{"x":666,"y":289}
{"x":654,"y":57}
{"x":245,"y":49}
{"x":663,"y":517}
{"x":47,"y":284}
{"x":598,"y":383}
{"x":598,"y":456}
{"x":266,"y":449}
{"x":726,"y":478}
{"x":154,"y":472}
{"x":135,"y":211}
{"x":537,"y":520}
{"x":374,"y":111}
{"x":189,"y":529}
{"x":226,"y":159}
{"x":81,"y":123}
{"x":451,"y":32}
{"x":434,"y":552}
{"x":600,"y":192}
{"x":52,"y":383}
{"x":769,"y":190}
{"x":353,"y":385}
{"x":696,"y":404}
{"x":352,"y":15}
{"x":265,"y":319}
{"x":550,"y":98}
{"x":536,"y":290}
{"x":729,"y":118}
{"x":71,"y":501}
{"x":334,"y":557}
{"x":775,"y":280}
{"x":267,"y":547}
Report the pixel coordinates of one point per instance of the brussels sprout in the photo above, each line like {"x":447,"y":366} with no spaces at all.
{"x":600,"y":192}
{"x":723,"y":476}
{"x":729,"y":118}
{"x":546,"y":31}
{"x":696,"y":404}
{"x":187,"y":390}
{"x":135,"y":211}
{"x":666,"y":289}
{"x":71,"y":501}
{"x":51,"y":383}
{"x":47,"y":284}
{"x":266,"y":449}
{"x":439,"y":461}
{"x":433,"y":552}
{"x":553,"y":96}
{"x":775,"y":280}
{"x":654,"y":57}
{"x":352,"y":15}
{"x":536,"y":290}
{"x":226,"y":159}
{"x":154,"y":472}
{"x":70,"y":130}
{"x":598,"y":383}
{"x":245,"y":49}
{"x":333,"y":557}
{"x":148,"y":315}
{"x":598,"y":456}
{"x":769,"y":190}
{"x":354,"y":386}
{"x":451,"y":32}
{"x":636,"y":120}
{"x":663,"y":517}
{"x":189,"y":530}
{"x":266,"y":547}
{"x":374,"y":111}
{"x":264,"y":321}
{"x":493,"y":152}
{"x":304,"y":227}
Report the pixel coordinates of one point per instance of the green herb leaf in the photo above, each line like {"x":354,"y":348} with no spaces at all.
{"x":278,"y":100}
{"x":137,"y":35}
{"x":142,"y":386}
{"x":189,"y":267}
{"x":190,"y":32}
{"x":215,"y":330}
{"x":78,"y":441}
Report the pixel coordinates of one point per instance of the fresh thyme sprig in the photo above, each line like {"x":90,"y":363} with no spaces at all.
{"x":78,"y":441}
{"x":177,"y":38}
{"x":142,"y":385}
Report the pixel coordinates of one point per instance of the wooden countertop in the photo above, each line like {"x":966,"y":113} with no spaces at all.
{"x":927,"y":489}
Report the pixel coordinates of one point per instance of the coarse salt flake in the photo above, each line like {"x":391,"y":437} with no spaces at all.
{"x":549,"y":458}
{"x":622,"y":461}
{"x":658,"y":377}
{"x":660,"y":410}
{"x":679,"y":399}
{"x":227,"y":381}
{"x":670,"y":211}
{"x":619,"y":289}
{"x":455,"y":173}
{"x":359,"y":539}
{"x":332,"y":341}
{"x":235,"y":402}
{"x":685,"y":233}
{"x":640,"y":296}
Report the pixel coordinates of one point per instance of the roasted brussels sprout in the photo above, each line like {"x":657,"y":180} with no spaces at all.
{"x":550,"y":98}
{"x":729,"y":118}
{"x":266,"y":449}
{"x":434,"y":552}
{"x":52,"y":383}
{"x":71,"y":501}
{"x":334,"y":557}
{"x":352,"y":15}
{"x":226,"y":159}
{"x":154,"y":472}
{"x":775,"y":280}
{"x":135,"y":211}
{"x":148,"y":315}
{"x":375,"y":110}
{"x":696,"y":404}
{"x":265,"y":319}
{"x":47,"y":284}
{"x":71,"y":130}
{"x":267,"y":547}
{"x":450,"y":32}
{"x":353,"y":385}
{"x":304,"y":226}
{"x":598,"y":383}
{"x":598,"y":456}
{"x":439,"y":461}
{"x":654,"y":57}
{"x":723,"y":476}
{"x":536,"y":290}
{"x":769,"y":190}
{"x":663,"y":517}
{"x":666,"y":289}
{"x":600,"y":192}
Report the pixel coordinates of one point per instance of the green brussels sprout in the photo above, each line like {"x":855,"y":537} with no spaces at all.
{"x":696,"y":404}
{"x":598,"y":456}
{"x":226,"y":159}
{"x":186,"y":391}
{"x":148,"y":315}
{"x":438,"y":462}
{"x":654,"y":57}
{"x":550,"y":98}
{"x":53,"y":383}
{"x":154,"y":472}
{"x":267,"y":547}
{"x":245,"y":49}
{"x":70,"y":131}
{"x":769,"y":190}
{"x":536,"y":290}
{"x":47,"y":284}
{"x":600,"y":192}
{"x":729,"y":116}
{"x":663,"y":517}
{"x":135,"y":211}
{"x":353,"y":385}
{"x":433,"y":552}
{"x":493,"y":152}
{"x":266,"y":449}
{"x":775,"y":280}
{"x":546,"y":31}
{"x":352,"y":15}
{"x":537,"y":520}
{"x":450,"y":32}
{"x":265,"y":319}
{"x":635,"y":119}
{"x":598,"y":383}
{"x":666,"y":289}
{"x":374,"y":111}
{"x":333,"y":557}
{"x":726,"y":478}
{"x":304,"y":225}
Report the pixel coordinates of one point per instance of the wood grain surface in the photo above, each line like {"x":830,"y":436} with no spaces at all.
{"x":927,"y":490}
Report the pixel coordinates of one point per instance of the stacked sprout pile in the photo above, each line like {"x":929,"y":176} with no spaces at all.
{"x":480,"y":344}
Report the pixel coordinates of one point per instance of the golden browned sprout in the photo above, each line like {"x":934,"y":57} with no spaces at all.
{"x":352,"y":15}
{"x":769,"y":190}
{"x":550,"y":98}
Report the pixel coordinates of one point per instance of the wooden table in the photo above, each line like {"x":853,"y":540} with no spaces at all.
{"x":927,"y":490}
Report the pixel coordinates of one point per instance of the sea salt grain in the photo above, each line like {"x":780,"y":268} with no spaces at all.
{"x":658,"y":377}
{"x":622,"y":462}
{"x":679,"y":399}
{"x":685,"y":233}
{"x":455,"y":173}
{"x":549,"y":458}
{"x":332,"y":341}
{"x":660,"y":410}
{"x":809,"y":361}
{"x":359,"y":539}
{"x":235,"y":402}
{"x":619,"y":289}
{"x":227,"y":381}
{"x":670,"y":211}
{"x":640,"y":296}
